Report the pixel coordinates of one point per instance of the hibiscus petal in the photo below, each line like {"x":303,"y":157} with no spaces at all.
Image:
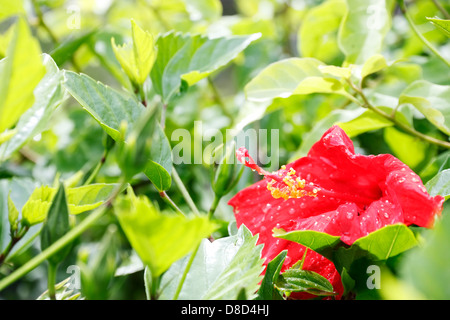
{"x":358,"y":195}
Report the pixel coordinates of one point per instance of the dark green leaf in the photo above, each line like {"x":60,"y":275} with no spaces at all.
{"x":297,"y":280}
{"x":56,"y":225}
{"x":267,"y":290}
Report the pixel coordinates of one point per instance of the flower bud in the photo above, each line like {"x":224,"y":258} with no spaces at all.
{"x":134,"y":153}
{"x":227,"y":173}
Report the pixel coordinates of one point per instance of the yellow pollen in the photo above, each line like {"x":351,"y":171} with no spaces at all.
{"x":294,"y":186}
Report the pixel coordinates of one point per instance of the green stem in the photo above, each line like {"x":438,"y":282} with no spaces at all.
{"x":97,"y":168}
{"x":441,"y":9}
{"x":170,"y":202}
{"x":42,"y":23}
{"x":163,"y":115}
{"x":401,"y":125}
{"x":51,"y":280}
{"x":184,"y":191}
{"x":14,"y":239}
{"x":419,"y":35}
{"x":186,"y":270}
{"x":61,"y":242}
{"x":218,"y":99}
{"x":22,"y":247}
{"x":214,"y":205}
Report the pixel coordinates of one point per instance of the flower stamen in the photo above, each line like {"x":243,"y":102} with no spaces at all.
{"x":285,"y":183}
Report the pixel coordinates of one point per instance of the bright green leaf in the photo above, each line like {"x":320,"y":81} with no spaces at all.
{"x":317,"y":37}
{"x":106,"y":105}
{"x":431,"y":100}
{"x":363,"y":29}
{"x":13,"y":214}
{"x":204,"y":9}
{"x":441,"y":25}
{"x":409,"y":149}
{"x":137,"y":59}
{"x":191,"y":58}
{"x":80,"y":199}
{"x":292,"y":76}
{"x":10,"y":8}
{"x":89,"y":197}
{"x":49,"y":95}
{"x":20,"y":72}
{"x":368,"y":121}
{"x":374,"y":64}
{"x":159,"y":239}
{"x":36,"y":208}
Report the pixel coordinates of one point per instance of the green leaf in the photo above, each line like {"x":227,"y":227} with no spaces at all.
{"x":368,"y":121}
{"x":219,"y":270}
{"x":159,"y":239}
{"x":297,"y":280}
{"x":106,"y":105}
{"x":66,"y":50}
{"x":379,"y":245}
{"x":49,"y":95}
{"x":137,"y":59}
{"x":409,"y":149}
{"x":35,"y":210}
{"x":320,"y":242}
{"x":159,"y":168}
{"x":292,"y":76}
{"x":387,"y":242}
{"x":13,"y":214}
{"x":440,"y":184}
{"x":363,"y":29}
{"x":373,"y":64}
{"x":431,"y":100}
{"x":267,"y":290}
{"x":89,"y":197}
{"x":56,"y":225}
{"x":426,"y":267}
{"x":190,"y":58}
{"x":204,"y":9}
{"x":20,"y":72}
{"x":80,"y":199}
{"x":441,"y":25}
{"x":317,"y":37}
{"x":10,"y":8}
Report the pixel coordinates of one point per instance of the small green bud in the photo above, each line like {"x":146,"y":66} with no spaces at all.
{"x":56,"y":225}
{"x":227,"y":173}
{"x":13,"y":214}
{"x":134,"y":153}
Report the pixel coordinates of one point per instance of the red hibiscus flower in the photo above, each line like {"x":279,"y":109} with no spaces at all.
{"x":331,"y":190}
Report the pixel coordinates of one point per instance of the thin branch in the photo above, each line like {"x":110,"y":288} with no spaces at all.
{"x":441,"y":9}
{"x":419,"y":35}
{"x":184,"y":191}
{"x":170,"y":202}
{"x":394,"y":120}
